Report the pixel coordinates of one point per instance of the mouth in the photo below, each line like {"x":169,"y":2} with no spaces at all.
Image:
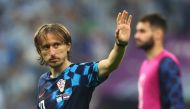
{"x":138,"y":43}
{"x":53,"y":60}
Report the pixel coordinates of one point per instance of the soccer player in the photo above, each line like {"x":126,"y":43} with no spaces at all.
{"x":69,"y":85}
{"x":159,"y":81}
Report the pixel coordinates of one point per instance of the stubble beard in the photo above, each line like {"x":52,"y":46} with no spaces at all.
{"x":147,"y":45}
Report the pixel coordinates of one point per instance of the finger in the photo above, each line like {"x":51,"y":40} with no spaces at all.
{"x":118,"y":17}
{"x":129,"y":20}
{"x":124,"y":16}
{"x":116,"y":33}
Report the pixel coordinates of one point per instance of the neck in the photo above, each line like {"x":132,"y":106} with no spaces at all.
{"x":154,"y":51}
{"x":56,"y":71}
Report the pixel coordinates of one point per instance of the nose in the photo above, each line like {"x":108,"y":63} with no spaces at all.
{"x":52,"y":51}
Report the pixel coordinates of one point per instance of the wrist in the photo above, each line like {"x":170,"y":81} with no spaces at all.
{"x":119,"y":44}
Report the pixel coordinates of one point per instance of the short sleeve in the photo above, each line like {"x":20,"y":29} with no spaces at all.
{"x":90,"y":74}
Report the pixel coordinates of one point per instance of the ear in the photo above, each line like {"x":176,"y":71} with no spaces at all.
{"x":158,"y":33}
{"x":68,"y":47}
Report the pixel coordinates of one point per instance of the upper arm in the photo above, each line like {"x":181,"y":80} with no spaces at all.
{"x":170,"y":85}
{"x":104,"y":69}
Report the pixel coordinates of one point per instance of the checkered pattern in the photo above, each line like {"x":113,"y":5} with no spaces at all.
{"x":81,"y":80}
{"x":170,"y":85}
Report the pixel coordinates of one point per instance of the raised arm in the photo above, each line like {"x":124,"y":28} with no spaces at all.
{"x":122,"y":35}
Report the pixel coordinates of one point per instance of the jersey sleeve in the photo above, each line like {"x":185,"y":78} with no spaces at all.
{"x":170,"y":85}
{"x":90,"y":74}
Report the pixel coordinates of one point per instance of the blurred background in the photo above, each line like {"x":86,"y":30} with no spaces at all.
{"x":92,"y":26}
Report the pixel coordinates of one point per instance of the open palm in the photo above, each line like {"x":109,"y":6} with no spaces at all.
{"x":123,"y":29}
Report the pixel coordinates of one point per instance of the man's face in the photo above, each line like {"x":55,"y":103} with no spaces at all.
{"x":53,"y":50}
{"x":144,"y":35}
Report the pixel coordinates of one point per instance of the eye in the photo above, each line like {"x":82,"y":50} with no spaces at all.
{"x":142,"y":31}
{"x":45,"y":47}
{"x":56,"y":45}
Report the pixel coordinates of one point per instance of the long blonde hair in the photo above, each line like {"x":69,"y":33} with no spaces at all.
{"x":58,"y":29}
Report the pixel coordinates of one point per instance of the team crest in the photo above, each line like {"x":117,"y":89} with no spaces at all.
{"x":61,"y":85}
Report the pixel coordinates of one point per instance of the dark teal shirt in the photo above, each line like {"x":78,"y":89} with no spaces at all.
{"x":72,"y":89}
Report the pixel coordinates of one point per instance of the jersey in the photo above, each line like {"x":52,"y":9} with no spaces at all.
{"x":159,"y":83}
{"x":72,"y":89}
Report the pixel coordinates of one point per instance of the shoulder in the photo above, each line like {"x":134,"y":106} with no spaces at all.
{"x":43,"y":78}
{"x":44,"y":75}
{"x":168,"y":66}
{"x":84,"y":67}
{"x":87,"y":63}
{"x":167,"y":62}
{"x":170,"y":55}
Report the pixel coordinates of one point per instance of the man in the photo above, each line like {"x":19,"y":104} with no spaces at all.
{"x":68,"y":85}
{"x":159,"y":82}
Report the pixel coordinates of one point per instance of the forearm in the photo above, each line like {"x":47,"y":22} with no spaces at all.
{"x":115,"y":56}
{"x":113,"y":60}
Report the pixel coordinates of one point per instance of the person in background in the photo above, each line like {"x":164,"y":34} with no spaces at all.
{"x":159,"y":82}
